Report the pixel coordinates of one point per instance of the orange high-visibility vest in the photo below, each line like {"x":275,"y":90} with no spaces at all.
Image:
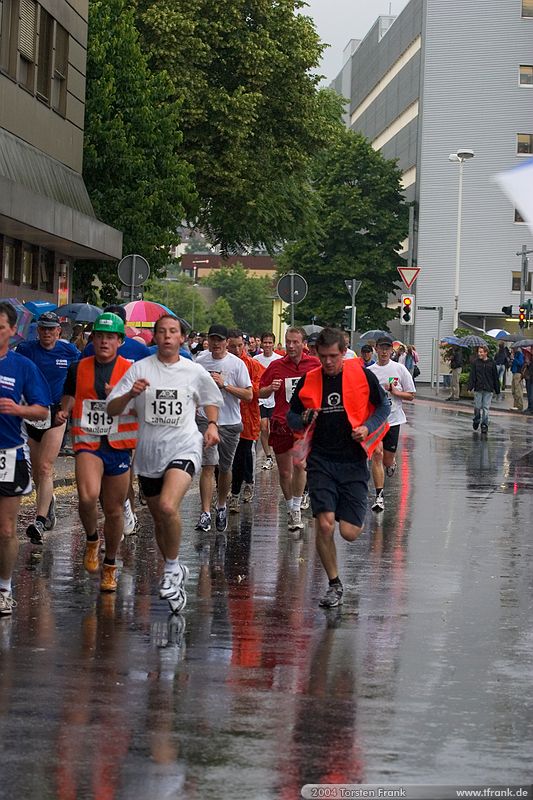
{"x":125,"y":438}
{"x":355,"y":399}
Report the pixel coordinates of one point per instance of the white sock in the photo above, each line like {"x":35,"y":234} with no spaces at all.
{"x":289,"y":504}
{"x":5,"y":585}
{"x":172,"y":565}
{"x":296,"y":503}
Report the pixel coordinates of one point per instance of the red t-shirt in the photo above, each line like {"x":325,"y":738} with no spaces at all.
{"x":289,"y":373}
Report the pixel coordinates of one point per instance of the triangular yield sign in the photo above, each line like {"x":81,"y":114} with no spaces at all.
{"x":408,"y":275}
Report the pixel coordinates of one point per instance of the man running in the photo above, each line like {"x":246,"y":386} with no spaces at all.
{"x":102,"y":446}
{"x":349,"y":412}
{"x":266,"y":404}
{"x":166,"y":390}
{"x":280,"y":380}
{"x":19,"y":378}
{"x":53,"y":356}
{"x":398,"y":384}
{"x":232,"y":378}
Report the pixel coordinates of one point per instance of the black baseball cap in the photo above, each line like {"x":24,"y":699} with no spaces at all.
{"x":384,"y":340}
{"x":367,"y":348}
{"x":48,"y":320}
{"x":120,"y":311}
{"x":312,"y":339}
{"x":218,"y":330}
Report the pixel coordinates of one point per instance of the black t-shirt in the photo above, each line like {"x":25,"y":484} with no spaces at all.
{"x":332,"y":438}
{"x":102,"y":375}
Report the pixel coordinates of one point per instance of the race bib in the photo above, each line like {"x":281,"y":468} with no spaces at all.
{"x":8,"y":462}
{"x":96,"y":420}
{"x":163,"y":406}
{"x":290,"y":386}
{"x":40,"y":424}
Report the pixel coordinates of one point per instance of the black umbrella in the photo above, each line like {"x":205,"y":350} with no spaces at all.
{"x":373,"y":335}
{"x":79,"y":312}
{"x":473,"y":341}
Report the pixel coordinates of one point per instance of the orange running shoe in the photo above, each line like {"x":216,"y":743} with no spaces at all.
{"x":108,"y":582}
{"x":91,"y":560}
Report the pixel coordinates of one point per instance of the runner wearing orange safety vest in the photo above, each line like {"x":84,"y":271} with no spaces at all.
{"x":343,"y":410}
{"x":102,"y":445}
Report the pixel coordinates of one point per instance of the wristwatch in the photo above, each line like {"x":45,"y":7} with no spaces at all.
{"x":225,"y":385}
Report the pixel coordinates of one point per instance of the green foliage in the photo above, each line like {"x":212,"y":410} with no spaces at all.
{"x":253,"y":118}
{"x":249,"y":298}
{"x":182,"y":299}
{"x":360,"y":221}
{"x":221,"y":312}
{"x":136,"y":179}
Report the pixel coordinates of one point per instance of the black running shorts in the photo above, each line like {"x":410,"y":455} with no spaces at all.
{"x":390,"y":440}
{"x":341,"y":487}
{"x":151,"y":487}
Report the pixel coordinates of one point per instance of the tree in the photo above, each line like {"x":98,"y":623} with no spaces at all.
{"x":220,"y":312}
{"x":182,"y":299}
{"x":360,"y":222}
{"x":253,"y":117}
{"x":249,"y":298}
{"x":136,"y":179}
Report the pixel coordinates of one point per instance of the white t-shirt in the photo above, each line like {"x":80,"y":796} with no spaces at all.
{"x":401,"y":377}
{"x":166,"y":411}
{"x":349,"y":353}
{"x":266,"y":361}
{"x":234,"y":372}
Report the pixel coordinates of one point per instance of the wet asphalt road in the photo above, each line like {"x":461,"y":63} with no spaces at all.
{"x":424,"y":677}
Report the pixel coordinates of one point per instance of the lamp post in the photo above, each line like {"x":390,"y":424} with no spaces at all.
{"x":460,"y":157}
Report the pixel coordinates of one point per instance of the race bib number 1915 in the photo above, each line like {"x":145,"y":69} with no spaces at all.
{"x":96,"y":420}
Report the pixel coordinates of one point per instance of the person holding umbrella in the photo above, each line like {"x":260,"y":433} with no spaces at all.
{"x":484,"y":382}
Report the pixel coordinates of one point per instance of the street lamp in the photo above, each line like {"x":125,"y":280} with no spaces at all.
{"x":460,"y":157}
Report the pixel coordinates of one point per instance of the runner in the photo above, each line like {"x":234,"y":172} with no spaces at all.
{"x":232,"y":378}
{"x":19,"y":378}
{"x":280,"y":379}
{"x":166,"y":390}
{"x":243,"y":461}
{"x":53,"y":356}
{"x":349,"y":410}
{"x":266,"y":404}
{"x":398,"y":384}
{"x":102,"y":446}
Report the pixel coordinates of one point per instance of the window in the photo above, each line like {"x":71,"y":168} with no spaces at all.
{"x":527,"y":8}
{"x":9,"y":262}
{"x":29,"y":267}
{"x":526,"y":75}
{"x":44,"y":68}
{"x":517,"y":216}
{"x":524,"y":144}
{"x":516,"y":282}
{"x":59,"y":88}
{"x":8,"y":36}
{"x":46,"y":271}
{"x":27,"y":31}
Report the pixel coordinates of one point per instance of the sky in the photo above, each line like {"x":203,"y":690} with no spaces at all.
{"x":338,"y":21}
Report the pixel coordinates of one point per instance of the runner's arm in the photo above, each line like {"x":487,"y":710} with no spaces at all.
{"x":295,"y":418}
{"x":379,"y":401}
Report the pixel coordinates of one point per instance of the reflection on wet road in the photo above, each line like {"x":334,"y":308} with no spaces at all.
{"x":423,"y":677}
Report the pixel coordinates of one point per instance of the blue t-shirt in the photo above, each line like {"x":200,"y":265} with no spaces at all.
{"x":19,"y":379}
{"x":184,"y":353}
{"x":133,"y":351}
{"x":53,"y":363}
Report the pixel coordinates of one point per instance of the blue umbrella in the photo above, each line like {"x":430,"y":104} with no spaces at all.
{"x":473,"y":341}
{"x":79,"y":312}
{"x":453,"y":340}
{"x":38,"y":307}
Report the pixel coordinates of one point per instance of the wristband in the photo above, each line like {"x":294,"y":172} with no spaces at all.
{"x":212,"y":422}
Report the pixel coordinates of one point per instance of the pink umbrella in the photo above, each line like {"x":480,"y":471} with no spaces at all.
{"x":145,"y":312}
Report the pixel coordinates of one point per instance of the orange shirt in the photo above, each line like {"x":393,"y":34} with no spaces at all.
{"x":251,"y":421}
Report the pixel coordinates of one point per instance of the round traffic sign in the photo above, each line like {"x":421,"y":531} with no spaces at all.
{"x":292,"y":288}
{"x":133,"y":270}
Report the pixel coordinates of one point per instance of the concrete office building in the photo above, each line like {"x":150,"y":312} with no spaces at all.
{"x":444,"y":76}
{"x":46,"y":217}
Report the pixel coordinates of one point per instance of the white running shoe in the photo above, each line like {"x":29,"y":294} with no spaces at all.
{"x":295,"y":521}
{"x":305,"y":501}
{"x":171,"y":585}
{"x":130,"y":520}
{"x":7,"y":603}
{"x":248,"y":493}
{"x":379,"y":503}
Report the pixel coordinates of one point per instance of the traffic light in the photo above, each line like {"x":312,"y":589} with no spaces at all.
{"x":507,"y":310}
{"x":529,"y":306}
{"x":407,"y":310}
{"x":522,"y":316}
{"x":347,"y":319}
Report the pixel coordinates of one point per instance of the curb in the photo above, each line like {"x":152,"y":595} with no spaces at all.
{"x":469,"y":405}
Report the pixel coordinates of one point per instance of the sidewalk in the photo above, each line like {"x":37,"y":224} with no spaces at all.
{"x":502,"y":403}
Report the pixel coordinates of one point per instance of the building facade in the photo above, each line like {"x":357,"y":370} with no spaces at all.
{"x":46,"y":217}
{"x":442,"y":77}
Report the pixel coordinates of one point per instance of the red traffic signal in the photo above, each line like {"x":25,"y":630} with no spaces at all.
{"x":407,"y":310}
{"x":522,"y":316}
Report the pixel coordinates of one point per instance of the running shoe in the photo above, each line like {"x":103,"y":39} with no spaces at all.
{"x":130,"y":520}
{"x":475,"y":424}
{"x":305,"y":501}
{"x":234,"y":504}
{"x":269,"y":463}
{"x":484,"y":428}
{"x":248,"y":493}
{"x":51,"y":518}
{"x":108,"y":581}
{"x":391,"y":470}
{"x":172,"y":583}
{"x":379,"y":503}
{"x":204,"y":523}
{"x":35,"y":532}
{"x":333,"y":596}
{"x":7,"y":603}
{"x":295,"y":521}
{"x":221,"y":520}
{"x":91,"y":560}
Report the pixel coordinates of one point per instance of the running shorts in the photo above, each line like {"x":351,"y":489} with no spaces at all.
{"x":151,"y":487}
{"x":341,"y":487}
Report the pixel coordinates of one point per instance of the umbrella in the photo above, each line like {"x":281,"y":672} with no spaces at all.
{"x":512,"y":337}
{"x":310,"y":329}
{"x":497,"y":333}
{"x":396,"y":343}
{"x":369,"y":335}
{"x":524,"y":343}
{"x":38,"y":307}
{"x":24,"y":318}
{"x":473,"y":341}
{"x":145,"y":312}
{"x":79,"y":312}
{"x":452,"y":340}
